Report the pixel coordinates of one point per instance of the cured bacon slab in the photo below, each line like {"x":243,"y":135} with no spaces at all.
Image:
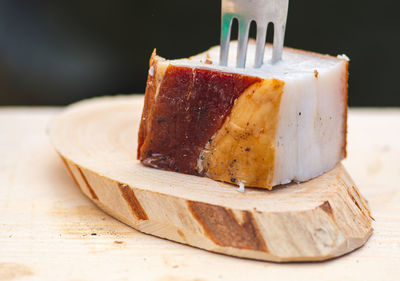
{"x":253,"y":127}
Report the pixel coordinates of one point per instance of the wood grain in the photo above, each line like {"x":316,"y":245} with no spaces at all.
{"x":221,"y":226}
{"x":131,"y":199}
{"x":317,"y":220}
{"x":46,"y":224}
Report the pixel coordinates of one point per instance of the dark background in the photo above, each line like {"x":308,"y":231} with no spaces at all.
{"x":57,"y":52}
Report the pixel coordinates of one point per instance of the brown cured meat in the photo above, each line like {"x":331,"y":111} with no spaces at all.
{"x":249,"y":127}
{"x":192,"y":104}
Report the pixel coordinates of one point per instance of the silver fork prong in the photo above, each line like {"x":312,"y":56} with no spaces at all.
{"x":260,"y":45}
{"x":243,"y":38}
{"x":225,"y":38}
{"x":247,"y":11}
{"x":279,"y":33}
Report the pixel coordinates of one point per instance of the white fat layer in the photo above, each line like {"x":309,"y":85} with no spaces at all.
{"x":310,"y":134}
{"x":293,"y":66}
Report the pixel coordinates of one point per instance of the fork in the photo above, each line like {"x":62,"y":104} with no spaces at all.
{"x":262,"y":12}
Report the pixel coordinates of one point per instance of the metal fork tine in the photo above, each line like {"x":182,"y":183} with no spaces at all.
{"x":225,"y":38}
{"x":247,"y":11}
{"x":260,"y":45}
{"x":279,"y":32}
{"x":243,"y":38}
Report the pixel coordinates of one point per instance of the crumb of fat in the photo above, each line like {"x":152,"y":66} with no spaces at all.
{"x":151,"y":71}
{"x":206,"y":60}
{"x":343,"y":56}
{"x":200,"y":167}
{"x":241,"y":187}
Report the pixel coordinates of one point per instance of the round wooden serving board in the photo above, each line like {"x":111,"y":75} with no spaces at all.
{"x":317,"y":220}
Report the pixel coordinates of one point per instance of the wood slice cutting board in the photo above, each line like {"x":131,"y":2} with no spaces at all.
{"x":323,"y":218}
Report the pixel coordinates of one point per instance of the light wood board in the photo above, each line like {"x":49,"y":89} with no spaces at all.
{"x":320,"y":219}
{"x":46,"y":224}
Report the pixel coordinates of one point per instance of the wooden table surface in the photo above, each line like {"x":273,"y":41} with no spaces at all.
{"x":50,"y":231}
